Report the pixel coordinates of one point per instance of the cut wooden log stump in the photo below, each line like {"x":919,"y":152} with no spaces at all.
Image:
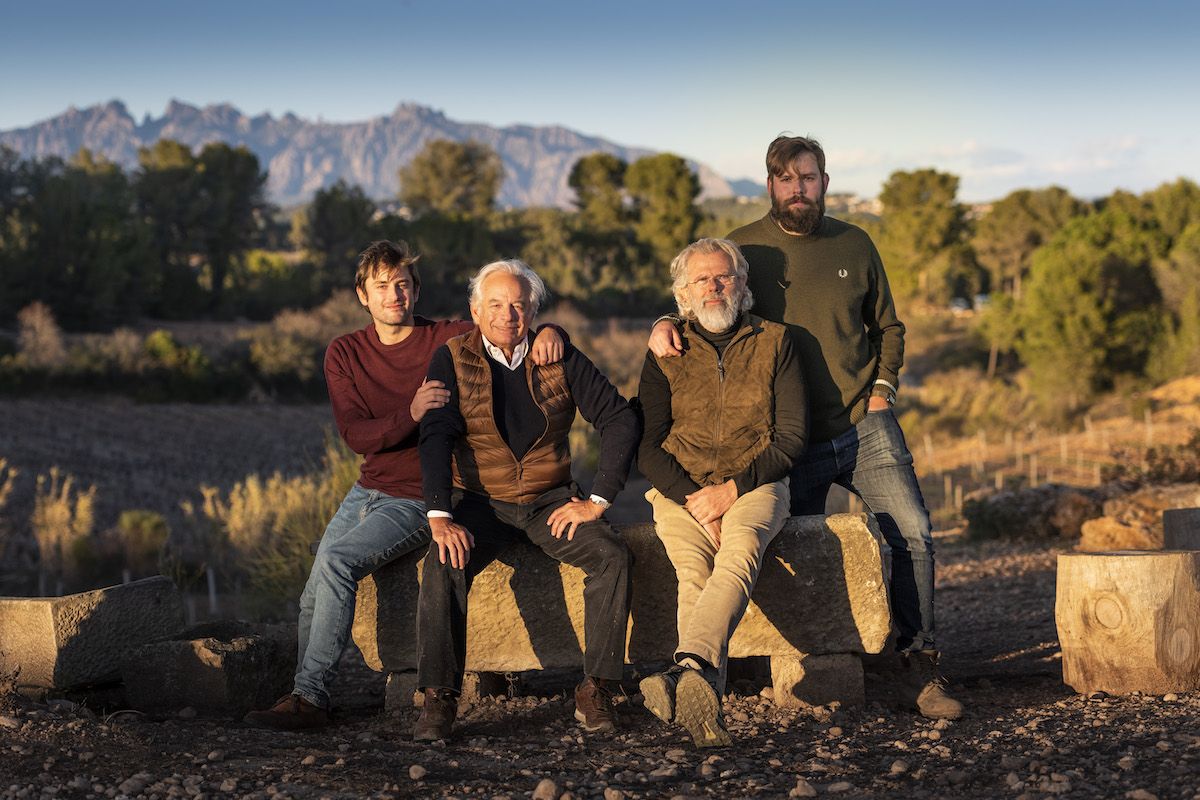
{"x":1129,"y":621}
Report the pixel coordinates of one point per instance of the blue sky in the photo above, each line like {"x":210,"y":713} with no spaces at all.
{"x":1092,"y":96}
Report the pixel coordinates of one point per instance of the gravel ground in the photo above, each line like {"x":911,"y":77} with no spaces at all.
{"x":1025,"y":734}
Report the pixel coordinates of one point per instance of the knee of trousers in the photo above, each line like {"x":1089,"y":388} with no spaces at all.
{"x":433,"y":571}
{"x":331,"y":568}
{"x":907,"y":528}
{"x":742,"y":567}
{"x":606,"y":551}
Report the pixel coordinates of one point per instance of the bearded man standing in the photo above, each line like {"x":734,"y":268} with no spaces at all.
{"x":824,"y":279}
{"x":724,"y":423}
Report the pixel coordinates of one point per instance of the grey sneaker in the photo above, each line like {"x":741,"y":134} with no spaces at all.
{"x":658,"y":693}
{"x":924,"y":688}
{"x":698,"y":710}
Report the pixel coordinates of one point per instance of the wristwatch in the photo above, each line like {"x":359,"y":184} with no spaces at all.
{"x":600,"y":501}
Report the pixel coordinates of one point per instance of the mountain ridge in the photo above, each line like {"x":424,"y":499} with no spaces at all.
{"x":302,"y":156}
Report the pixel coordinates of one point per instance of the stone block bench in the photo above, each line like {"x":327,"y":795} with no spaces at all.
{"x":80,"y":639}
{"x":227,"y":667}
{"x":821,"y":601}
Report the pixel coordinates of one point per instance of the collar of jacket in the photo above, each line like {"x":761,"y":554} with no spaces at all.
{"x":750,"y":326}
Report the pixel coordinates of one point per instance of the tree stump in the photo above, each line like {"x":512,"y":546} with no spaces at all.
{"x":1129,"y":621}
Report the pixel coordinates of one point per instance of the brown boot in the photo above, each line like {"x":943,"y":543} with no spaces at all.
{"x":290,"y":713}
{"x":924,"y":688}
{"x":437,"y":716}
{"x":594,"y":705}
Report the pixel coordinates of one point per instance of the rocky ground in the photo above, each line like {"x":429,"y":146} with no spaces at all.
{"x":1025,"y":734}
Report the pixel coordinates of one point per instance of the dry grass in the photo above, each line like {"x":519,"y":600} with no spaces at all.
{"x":62,"y":522}
{"x":266,"y":525}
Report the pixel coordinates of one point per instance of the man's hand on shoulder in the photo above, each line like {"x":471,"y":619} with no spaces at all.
{"x":570,"y":515}
{"x":432,"y":394}
{"x":548,"y":347}
{"x":453,"y":540}
{"x":665,"y":341}
{"x":711,"y":502}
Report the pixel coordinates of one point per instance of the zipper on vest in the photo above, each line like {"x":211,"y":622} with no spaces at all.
{"x":716,"y":442}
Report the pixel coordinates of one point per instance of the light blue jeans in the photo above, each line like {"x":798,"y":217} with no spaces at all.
{"x":370,"y":529}
{"x":873,"y":461}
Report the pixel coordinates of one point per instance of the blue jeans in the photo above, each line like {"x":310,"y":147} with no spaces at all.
{"x":873,"y":461}
{"x":370,"y":529}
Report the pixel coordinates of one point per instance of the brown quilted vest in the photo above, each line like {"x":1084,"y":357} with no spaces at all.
{"x":723,"y":411}
{"x":483,"y":461}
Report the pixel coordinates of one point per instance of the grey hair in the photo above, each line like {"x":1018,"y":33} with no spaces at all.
{"x":511,"y":266}
{"x":707,"y":247}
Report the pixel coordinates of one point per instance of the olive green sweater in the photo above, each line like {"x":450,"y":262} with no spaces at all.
{"x":830,"y":288}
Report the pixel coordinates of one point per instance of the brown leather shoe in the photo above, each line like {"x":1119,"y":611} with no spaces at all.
{"x":437,"y":716}
{"x":290,"y":713}
{"x":594,"y":705}
{"x":924,"y":688}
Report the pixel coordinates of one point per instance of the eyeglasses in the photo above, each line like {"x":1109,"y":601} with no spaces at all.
{"x":727,"y":279}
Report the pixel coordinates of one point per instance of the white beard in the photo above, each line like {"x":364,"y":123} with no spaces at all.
{"x":717,"y":319}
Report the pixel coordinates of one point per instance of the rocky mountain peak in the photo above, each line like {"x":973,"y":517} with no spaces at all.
{"x":302,"y":155}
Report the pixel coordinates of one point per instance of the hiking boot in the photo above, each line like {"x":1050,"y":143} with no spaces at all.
{"x":924,"y":688}
{"x":698,"y":710}
{"x":594,"y":705}
{"x":437,"y":716}
{"x":290,"y":713}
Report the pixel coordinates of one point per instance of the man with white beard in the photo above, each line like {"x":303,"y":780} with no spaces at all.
{"x":724,"y":423}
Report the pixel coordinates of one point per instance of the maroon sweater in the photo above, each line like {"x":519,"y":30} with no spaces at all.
{"x":371,"y":386}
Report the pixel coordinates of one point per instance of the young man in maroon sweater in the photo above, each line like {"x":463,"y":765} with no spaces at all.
{"x":377,"y":387}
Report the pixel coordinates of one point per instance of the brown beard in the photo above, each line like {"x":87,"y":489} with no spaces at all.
{"x":803,"y":220}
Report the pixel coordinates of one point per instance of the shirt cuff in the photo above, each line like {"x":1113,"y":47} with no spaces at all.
{"x":885,"y":383}
{"x":438,"y":515}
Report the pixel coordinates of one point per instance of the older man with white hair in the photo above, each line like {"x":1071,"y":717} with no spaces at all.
{"x":724,"y":423}
{"x":497,"y":468}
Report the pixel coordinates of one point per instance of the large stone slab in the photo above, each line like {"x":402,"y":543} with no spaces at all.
{"x":821,"y":590}
{"x":80,"y":639}
{"x":1181,"y":529}
{"x":817,"y":680}
{"x":226,"y":667}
